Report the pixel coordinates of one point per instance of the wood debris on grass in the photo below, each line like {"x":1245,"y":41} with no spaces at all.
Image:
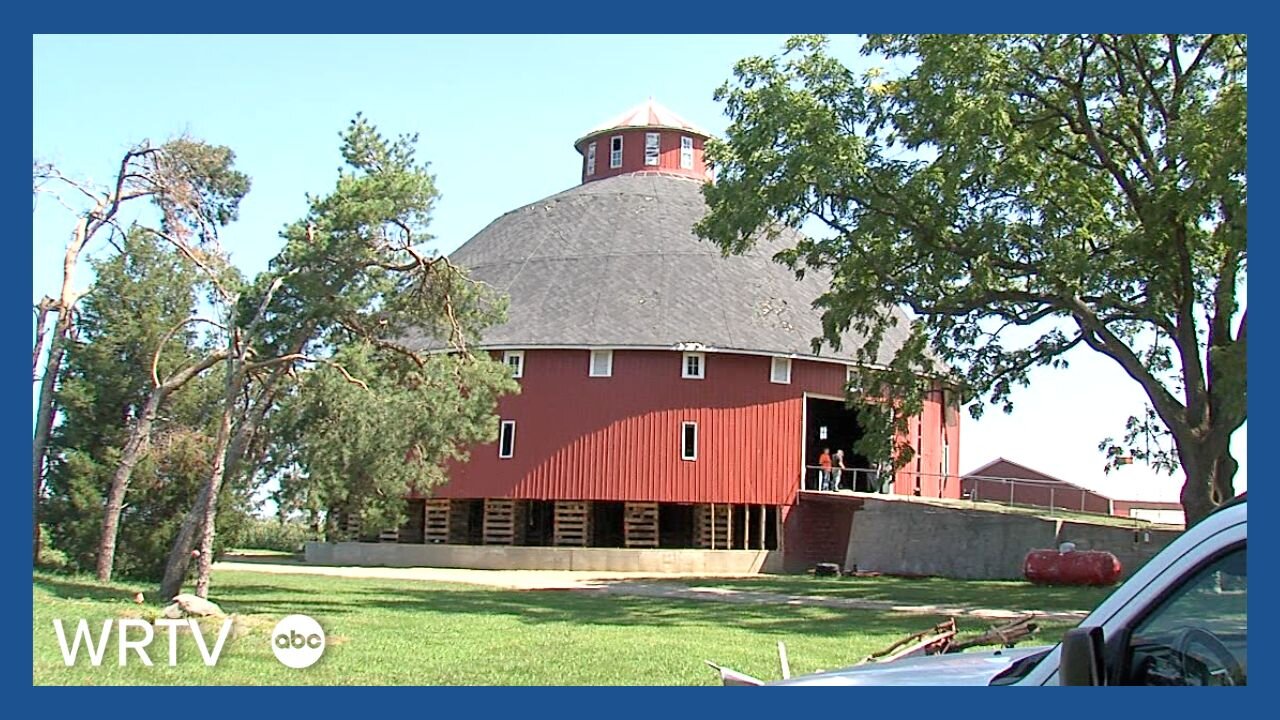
{"x":937,"y":640}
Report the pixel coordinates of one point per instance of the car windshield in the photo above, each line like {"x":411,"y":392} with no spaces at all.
{"x":1018,"y":669}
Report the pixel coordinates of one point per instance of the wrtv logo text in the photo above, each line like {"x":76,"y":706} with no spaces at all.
{"x":136,"y":635}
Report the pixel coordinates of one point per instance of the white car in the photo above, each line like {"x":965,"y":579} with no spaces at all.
{"x":1182,"y":619}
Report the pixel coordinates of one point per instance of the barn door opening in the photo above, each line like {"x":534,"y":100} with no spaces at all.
{"x":832,"y":426}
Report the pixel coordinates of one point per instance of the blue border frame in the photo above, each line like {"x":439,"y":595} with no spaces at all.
{"x":712,"y":17}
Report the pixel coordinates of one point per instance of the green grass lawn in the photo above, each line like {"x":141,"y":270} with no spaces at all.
{"x":1001,"y":594}
{"x":386,"y":632}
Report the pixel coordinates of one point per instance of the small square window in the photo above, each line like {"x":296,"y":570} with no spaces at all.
{"x":591,"y":159}
{"x":601,"y":363}
{"x":686,"y":153}
{"x":507,"y":439}
{"x":689,"y":441}
{"x":514,"y":360}
{"x":695,"y":366}
{"x":780,"y":371}
{"x":615,"y":151}
{"x":652,"y":148}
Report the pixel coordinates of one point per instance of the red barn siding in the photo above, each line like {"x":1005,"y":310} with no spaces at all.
{"x":633,"y":154}
{"x":618,"y":438}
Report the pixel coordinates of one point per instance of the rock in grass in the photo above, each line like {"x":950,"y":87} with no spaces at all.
{"x":187,"y":605}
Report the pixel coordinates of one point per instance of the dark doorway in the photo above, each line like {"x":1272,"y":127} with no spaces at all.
{"x":771,"y":527}
{"x":675,"y":526}
{"x":829,"y":424}
{"x":412,"y":529}
{"x":540,"y":518}
{"x":606,"y":524}
{"x":466,"y":519}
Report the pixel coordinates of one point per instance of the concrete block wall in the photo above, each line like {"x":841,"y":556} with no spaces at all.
{"x":910,"y":538}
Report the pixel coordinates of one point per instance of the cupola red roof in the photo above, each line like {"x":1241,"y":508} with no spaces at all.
{"x":649,"y":114}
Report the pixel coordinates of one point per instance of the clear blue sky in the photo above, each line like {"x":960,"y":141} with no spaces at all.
{"x":496,"y":116}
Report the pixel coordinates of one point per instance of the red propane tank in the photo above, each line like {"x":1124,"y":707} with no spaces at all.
{"x":1077,"y":567}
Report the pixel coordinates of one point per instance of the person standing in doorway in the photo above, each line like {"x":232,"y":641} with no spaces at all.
{"x":824,"y":469}
{"x":838,"y":469}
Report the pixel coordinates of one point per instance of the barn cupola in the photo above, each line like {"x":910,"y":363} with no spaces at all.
{"x":646,"y":138}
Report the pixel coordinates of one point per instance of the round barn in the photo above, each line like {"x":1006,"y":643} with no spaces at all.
{"x":672,"y":407}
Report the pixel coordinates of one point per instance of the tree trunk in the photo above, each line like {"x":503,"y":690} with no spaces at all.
{"x":46,"y":306}
{"x":209,"y":512}
{"x":134,"y":449}
{"x":1196,"y":502}
{"x":44,"y":426}
{"x":1224,"y":474}
{"x":175,"y":567}
{"x":67,"y":299}
{"x":179,"y":560}
{"x":1210,"y":480}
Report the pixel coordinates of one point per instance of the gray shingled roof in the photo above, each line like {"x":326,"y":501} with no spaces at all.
{"x":615,"y":263}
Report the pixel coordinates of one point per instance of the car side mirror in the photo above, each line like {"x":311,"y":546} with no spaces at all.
{"x":1082,"y":660}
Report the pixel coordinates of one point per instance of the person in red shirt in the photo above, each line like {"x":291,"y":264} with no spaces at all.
{"x":824,"y":470}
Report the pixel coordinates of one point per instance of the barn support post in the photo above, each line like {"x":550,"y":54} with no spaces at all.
{"x":777,"y":517}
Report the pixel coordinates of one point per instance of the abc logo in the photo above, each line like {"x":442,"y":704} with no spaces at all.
{"x":298,"y":641}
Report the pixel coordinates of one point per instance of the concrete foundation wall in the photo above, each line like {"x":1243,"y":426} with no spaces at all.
{"x":910,"y":538}
{"x":496,"y":557}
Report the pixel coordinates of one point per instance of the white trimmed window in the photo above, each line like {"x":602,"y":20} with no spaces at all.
{"x":780,"y":371}
{"x":507,"y":439}
{"x":514,"y":360}
{"x":652,"y":148}
{"x":601,"y":363}
{"x":615,"y":151}
{"x":688,"y":440}
{"x":694,"y":366}
{"x":686,"y":153}
{"x":850,"y":374}
{"x":591,"y":159}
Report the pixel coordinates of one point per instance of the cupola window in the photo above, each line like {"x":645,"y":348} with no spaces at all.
{"x":591,"y":159}
{"x":686,"y":153}
{"x":652,"y":147}
{"x":615,"y":151}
